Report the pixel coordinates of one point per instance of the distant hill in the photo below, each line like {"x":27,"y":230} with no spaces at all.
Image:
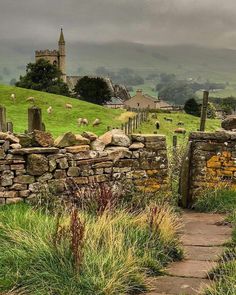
{"x":185,"y":60}
{"x":61,"y":120}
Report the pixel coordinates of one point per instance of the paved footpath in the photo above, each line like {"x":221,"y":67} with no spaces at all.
{"x":203,"y":236}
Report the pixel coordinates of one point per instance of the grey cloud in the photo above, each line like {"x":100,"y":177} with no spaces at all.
{"x":201,"y":22}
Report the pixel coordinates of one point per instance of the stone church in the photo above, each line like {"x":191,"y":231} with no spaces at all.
{"x":58,"y":57}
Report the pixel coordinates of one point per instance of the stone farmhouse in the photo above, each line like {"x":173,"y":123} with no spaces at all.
{"x":58,"y":57}
{"x":145,"y":101}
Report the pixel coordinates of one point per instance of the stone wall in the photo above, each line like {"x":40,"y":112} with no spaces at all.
{"x":209,"y":162}
{"x":143,"y":162}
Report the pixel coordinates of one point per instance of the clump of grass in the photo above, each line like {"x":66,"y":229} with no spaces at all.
{"x":114,"y":250}
{"x":218,"y":200}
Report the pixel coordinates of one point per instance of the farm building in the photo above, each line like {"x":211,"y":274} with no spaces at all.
{"x":145,"y":101}
{"x":115,"y":103}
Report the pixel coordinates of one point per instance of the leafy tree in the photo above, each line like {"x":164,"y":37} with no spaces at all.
{"x":192,"y":107}
{"x":93,"y":90}
{"x":43,"y":76}
{"x":177,"y":92}
{"x":211,"y":111}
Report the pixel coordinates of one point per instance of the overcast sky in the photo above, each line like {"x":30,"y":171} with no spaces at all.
{"x":201,"y":22}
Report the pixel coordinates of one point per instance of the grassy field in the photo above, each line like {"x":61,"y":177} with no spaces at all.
{"x":191,"y":123}
{"x":61,"y":120}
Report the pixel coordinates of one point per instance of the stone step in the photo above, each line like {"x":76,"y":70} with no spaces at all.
{"x":176,"y":285}
{"x":204,"y":240}
{"x":202,"y":253}
{"x":202,"y":228}
{"x":191,"y":269}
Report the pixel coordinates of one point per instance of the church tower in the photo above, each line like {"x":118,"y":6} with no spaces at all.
{"x":62,"y":55}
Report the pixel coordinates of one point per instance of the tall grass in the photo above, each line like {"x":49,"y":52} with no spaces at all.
{"x":119,"y":249}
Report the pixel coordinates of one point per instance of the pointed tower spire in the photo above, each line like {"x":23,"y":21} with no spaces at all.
{"x":61,"y":39}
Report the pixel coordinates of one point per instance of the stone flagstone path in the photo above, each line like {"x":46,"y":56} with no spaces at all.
{"x":203,"y":237}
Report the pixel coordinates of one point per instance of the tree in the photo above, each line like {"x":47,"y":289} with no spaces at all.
{"x":13,"y":82}
{"x":93,"y":90}
{"x":177,"y":92}
{"x":192,"y":107}
{"x":43,"y":76}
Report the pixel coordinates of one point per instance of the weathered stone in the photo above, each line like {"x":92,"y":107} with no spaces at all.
{"x":14,"y":200}
{"x":229,"y":123}
{"x":136,"y":146}
{"x":24,"y":193}
{"x":90,"y":135}
{"x":98,"y":145}
{"x":20,"y":172}
{"x":6,"y":178}
{"x":106,"y":138}
{"x":73,"y":171}
{"x":45,"y":177}
{"x":18,"y":187}
{"x":37,"y":164}
{"x":2,"y":153}
{"x":77,"y":149}
{"x":6,"y":145}
{"x":67,"y":139}
{"x":35,"y":150}
{"x":62,"y":163}
{"x":116,"y":153}
{"x":81,"y":180}
{"x":9,"y":137}
{"x":97,"y":178}
{"x":43,"y":138}
{"x":119,"y":138}
{"x":9,"y":194}
{"x":80,"y":140}
{"x":56,"y":185}
{"x":16,"y":146}
{"x":106,"y":164}
{"x":52,"y":165}
{"x":4,"y":167}
{"x":25,"y":140}
{"x":17,"y":167}
{"x":27,"y":179}
{"x":59,"y":174}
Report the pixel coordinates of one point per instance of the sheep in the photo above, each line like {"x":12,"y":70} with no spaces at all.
{"x":84,"y":121}
{"x":96,"y":122}
{"x":168,"y":119}
{"x":49,"y":110}
{"x":68,"y":106}
{"x":180,"y":130}
{"x":79,"y":121}
{"x":180,"y":123}
{"x":157,"y":124}
{"x":30,"y":99}
{"x":13,"y":97}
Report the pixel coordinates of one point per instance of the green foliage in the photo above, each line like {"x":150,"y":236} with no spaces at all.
{"x":192,"y":107}
{"x":43,"y":76}
{"x":36,"y":257}
{"x":221,"y":200}
{"x":211,"y":111}
{"x":227,"y":104}
{"x":176,"y":92}
{"x":61,"y":119}
{"x":93,"y":90}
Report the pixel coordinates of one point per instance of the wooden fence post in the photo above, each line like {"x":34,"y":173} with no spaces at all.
{"x":34,"y":119}
{"x":3,"y":123}
{"x":10,"y":127}
{"x":204,"y":110}
{"x":130,"y":126}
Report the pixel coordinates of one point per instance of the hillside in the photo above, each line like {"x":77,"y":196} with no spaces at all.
{"x":61,"y":119}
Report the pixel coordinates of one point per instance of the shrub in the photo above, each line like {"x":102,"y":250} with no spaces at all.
{"x":192,"y":107}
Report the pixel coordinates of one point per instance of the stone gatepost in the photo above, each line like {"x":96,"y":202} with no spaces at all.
{"x":3,"y":123}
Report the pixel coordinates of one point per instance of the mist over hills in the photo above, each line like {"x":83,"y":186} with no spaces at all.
{"x":186,"y":61}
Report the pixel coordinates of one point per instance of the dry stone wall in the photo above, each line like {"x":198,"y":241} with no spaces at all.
{"x":139,"y":159}
{"x":211,"y":162}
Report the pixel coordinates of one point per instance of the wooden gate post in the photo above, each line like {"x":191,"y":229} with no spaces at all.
{"x":3,"y":123}
{"x":10,"y":127}
{"x":34,"y":119}
{"x":204,"y":110}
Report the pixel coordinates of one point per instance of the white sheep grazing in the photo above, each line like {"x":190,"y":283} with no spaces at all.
{"x":85,"y":121}
{"x":13,"y":97}
{"x":30,"y":99}
{"x":49,"y":110}
{"x":96,"y":122}
{"x":79,"y":121}
{"x":68,"y":106}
